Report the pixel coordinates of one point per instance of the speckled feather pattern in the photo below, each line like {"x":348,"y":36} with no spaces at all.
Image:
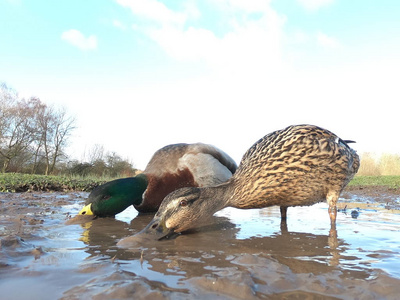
{"x":299,"y":165}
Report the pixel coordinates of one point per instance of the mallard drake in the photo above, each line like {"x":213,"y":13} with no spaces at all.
{"x":171,"y":167}
{"x":299,"y":165}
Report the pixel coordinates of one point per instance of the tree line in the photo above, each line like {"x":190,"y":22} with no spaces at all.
{"x":34,"y":137}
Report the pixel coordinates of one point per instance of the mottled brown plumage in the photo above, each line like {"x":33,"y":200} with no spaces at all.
{"x":299,"y":165}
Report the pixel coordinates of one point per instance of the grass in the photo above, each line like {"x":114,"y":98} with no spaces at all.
{"x":14,"y":182}
{"x":392,"y":181}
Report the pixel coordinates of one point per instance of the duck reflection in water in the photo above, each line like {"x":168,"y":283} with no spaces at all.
{"x":207,"y":250}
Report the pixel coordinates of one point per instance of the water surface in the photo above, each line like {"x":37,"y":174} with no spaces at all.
{"x":244,"y":254}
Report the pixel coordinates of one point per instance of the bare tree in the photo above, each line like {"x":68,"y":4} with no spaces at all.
{"x":40,"y":114}
{"x":31,"y":132}
{"x":8,"y":98}
{"x":96,"y":153}
{"x":58,"y":129}
{"x":18,"y":130}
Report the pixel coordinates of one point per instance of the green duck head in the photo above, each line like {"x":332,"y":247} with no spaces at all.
{"x":113,"y":197}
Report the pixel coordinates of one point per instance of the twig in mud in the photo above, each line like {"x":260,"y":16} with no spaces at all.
{"x":343,"y":209}
{"x":141,"y":259}
{"x":20,"y":226}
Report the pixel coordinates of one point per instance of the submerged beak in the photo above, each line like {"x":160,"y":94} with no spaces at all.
{"x":85,"y":215}
{"x":87,"y":210}
{"x":157,"y":230}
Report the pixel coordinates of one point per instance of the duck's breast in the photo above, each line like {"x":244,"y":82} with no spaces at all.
{"x":160,"y":186}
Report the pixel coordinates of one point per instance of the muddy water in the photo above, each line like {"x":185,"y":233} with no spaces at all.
{"x":244,"y":254}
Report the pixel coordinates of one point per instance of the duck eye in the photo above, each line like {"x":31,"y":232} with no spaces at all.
{"x":183,"y":203}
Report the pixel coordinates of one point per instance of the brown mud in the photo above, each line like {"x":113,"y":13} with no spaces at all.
{"x":244,"y":254}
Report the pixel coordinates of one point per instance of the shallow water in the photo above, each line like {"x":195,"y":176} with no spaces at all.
{"x":244,"y":254}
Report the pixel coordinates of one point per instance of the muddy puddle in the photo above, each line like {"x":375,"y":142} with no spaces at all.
{"x":244,"y":254}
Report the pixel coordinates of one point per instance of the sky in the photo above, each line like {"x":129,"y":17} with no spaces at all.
{"x":139,"y":75}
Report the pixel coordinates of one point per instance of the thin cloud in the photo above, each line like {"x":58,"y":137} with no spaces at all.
{"x":77,"y":39}
{"x":313,"y":5}
{"x":118,"y":24}
{"x":154,"y":11}
{"x":185,"y":40}
{"x":327,"y":41}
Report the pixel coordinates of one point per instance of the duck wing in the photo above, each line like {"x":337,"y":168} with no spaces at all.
{"x":208,"y":164}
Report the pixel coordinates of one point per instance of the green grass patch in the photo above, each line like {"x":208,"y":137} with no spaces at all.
{"x":390,"y":181}
{"x":14,"y":182}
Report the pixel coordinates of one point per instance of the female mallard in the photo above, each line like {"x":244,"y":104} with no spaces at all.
{"x":299,"y":165}
{"x":172,"y":167}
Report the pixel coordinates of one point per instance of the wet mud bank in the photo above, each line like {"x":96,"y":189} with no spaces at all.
{"x":243,"y":254}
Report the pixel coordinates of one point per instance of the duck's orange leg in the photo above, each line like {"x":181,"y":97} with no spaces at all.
{"x":332,"y":199}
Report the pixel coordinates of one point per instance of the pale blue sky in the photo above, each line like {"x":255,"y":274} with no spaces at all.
{"x":142,"y":74}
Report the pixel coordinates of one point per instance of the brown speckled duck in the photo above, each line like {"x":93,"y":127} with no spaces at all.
{"x":171,"y":167}
{"x":296,"y":166}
